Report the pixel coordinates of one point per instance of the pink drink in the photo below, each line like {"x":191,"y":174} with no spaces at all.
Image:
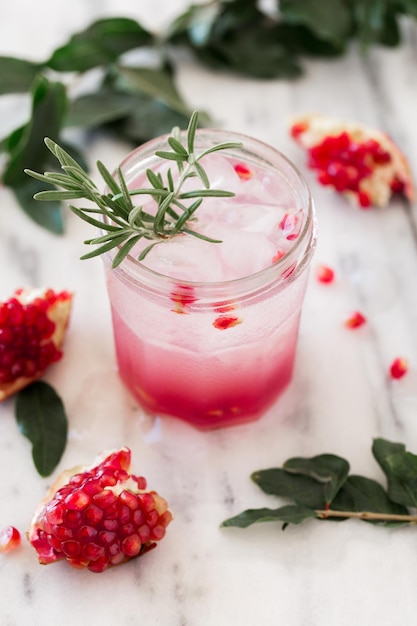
{"x":207,"y":332}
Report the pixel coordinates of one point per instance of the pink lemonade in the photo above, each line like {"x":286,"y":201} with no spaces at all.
{"x":204,"y":331}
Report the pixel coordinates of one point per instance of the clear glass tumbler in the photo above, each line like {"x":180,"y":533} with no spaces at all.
{"x":214,"y":353}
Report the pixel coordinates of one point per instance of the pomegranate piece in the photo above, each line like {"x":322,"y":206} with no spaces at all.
{"x":9,"y":539}
{"x":398,"y":368}
{"x":362,"y":163}
{"x":99,"y":517}
{"x":33,"y":323}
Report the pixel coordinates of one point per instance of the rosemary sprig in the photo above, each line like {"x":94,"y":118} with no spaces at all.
{"x":116,"y":213}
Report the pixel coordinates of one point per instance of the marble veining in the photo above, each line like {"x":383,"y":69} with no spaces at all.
{"x":341,"y":396}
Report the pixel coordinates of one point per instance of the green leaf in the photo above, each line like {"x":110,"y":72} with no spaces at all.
{"x":100,"y":44}
{"x":258,"y":52}
{"x":302,"y":41}
{"x":409,"y":7}
{"x":399,"y":467}
{"x":329,"y":20}
{"x":150,"y":118}
{"x":155,"y":83}
{"x":398,"y":490}
{"x":41,"y":418}
{"x":196,"y":23}
{"x":96,"y":109}
{"x":359,"y":494}
{"x":303,"y":490}
{"x":29,"y":150}
{"x":46,"y":214}
{"x":290,"y":514}
{"x":376,"y":22}
{"x":17,"y":75}
{"x":238,"y":37}
{"x":328,"y":469}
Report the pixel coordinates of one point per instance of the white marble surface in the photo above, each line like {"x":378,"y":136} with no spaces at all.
{"x":341,"y":396}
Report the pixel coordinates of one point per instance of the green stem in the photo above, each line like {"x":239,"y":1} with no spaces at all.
{"x":368,"y":515}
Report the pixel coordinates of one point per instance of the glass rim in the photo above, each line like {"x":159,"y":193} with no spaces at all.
{"x":132,"y":270}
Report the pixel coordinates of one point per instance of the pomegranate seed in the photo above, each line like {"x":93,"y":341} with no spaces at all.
{"x":98,"y":565}
{"x":223,"y":322}
{"x":364,"y":199}
{"x":104,"y":499}
{"x":398,"y":368}
{"x":298,"y":129}
{"x":107,"y":478}
{"x":382,"y":157}
{"x":291,"y":225}
{"x":183,"y":297}
{"x":131,"y":545}
{"x":110,"y":524}
{"x":62,"y":533}
{"x":278,"y":255}
{"x":124,"y":514}
{"x":148,"y":501}
{"x":355,"y":320}
{"x":6,"y":335}
{"x":72,"y":519}
{"x":242,"y":171}
{"x":87,"y":532}
{"x":92,"y":552}
{"x":93,"y":514}
{"x":138,"y":517}
{"x":158,"y":532}
{"x":152,"y":518}
{"x":9,"y":539}
{"x":77,"y":501}
{"x":324,"y":274}
{"x":130,"y":500}
{"x":55,"y":513}
{"x":106,"y":537}
{"x":117,"y":558}
{"x":70,"y":548}
{"x":140,"y":481}
{"x":397,"y":185}
{"x":144,"y":533}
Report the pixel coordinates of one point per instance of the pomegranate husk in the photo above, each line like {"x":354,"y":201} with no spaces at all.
{"x":384,"y":180}
{"x":59,"y":313}
{"x":71,"y":487}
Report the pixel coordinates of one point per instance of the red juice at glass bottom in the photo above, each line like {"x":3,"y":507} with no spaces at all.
{"x":207,"y":332}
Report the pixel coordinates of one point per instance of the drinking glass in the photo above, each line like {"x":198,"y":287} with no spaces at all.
{"x":216,"y":353}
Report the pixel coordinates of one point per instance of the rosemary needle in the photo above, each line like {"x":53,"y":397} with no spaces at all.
{"x":116,"y":213}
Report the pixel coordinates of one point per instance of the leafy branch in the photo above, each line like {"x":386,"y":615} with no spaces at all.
{"x":322,"y":488}
{"x":125,"y":222}
{"x":139,"y":101}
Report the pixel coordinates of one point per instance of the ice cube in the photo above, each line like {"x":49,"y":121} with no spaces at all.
{"x":187,"y":258}
{"x":241,"y":253}
{"x":220,"y":172}
{"x":253,"y":217}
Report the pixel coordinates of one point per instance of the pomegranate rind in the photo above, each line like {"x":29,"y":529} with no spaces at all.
{"x":58,"y":312}
{"x":310,"y":130}
{"x":124,"y":488}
